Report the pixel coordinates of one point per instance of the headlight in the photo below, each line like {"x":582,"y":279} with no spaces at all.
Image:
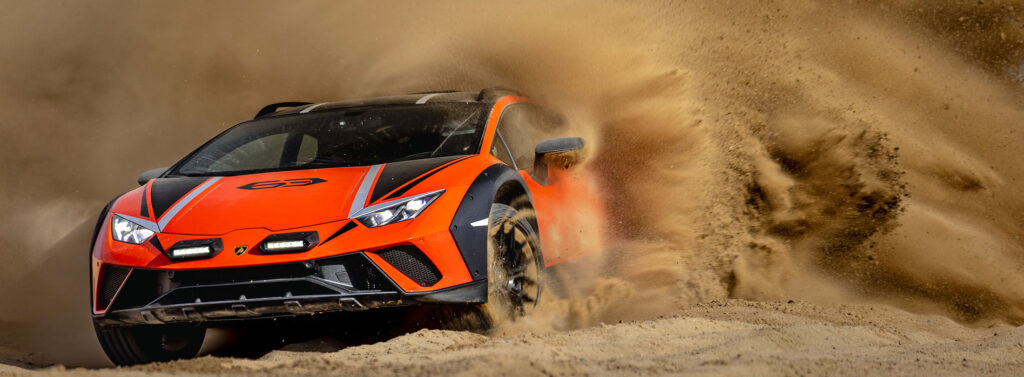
{"x":125,"y":230}
{"x":403,"y":210}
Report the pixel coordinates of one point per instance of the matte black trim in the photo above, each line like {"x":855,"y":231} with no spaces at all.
{"x":156,"y":243}
{"x":410,"y":185}
{"x":412,"y":263}
{"x":476,"y":205}
{"x":501,"y":141}
{"x":99,"y":224}
{"x":347,"y":227}
{"x":554,"y":146}
{"x":145,"y":207}
{"x":152,"y":305}
{"x":274,"y":106}
{"x":469,"y":293}
{"x":95,"y":234}
{"x":310,"y":239}
{"x":396,"y":174}
{"x":147,"y":175}
{"x":166,"y":191}
{"x":215,"y":244}
{"x":494,"y":93}
{"x":111,"y":279}
{"x":559,"y":144}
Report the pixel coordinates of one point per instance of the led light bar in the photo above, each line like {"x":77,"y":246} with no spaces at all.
{"x":289,"y":242}
{"x":284,"y":245}
{"x":195,"y":249}
{"x":188,"y":252}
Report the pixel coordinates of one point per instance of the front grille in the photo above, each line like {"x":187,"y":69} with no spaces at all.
{"x":241,"y":292}
{"x":413,"y":263}
{"x":353,"y":272}
{"x":110,"y":283}
{"x":242,"y":274}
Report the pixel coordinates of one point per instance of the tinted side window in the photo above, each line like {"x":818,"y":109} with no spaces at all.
{"x":524,"y":126}
{"x":307,"y":150}
{"x":498,"y":150}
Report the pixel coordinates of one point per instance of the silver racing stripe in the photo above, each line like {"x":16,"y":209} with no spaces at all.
{"x":169,"y":215}
{"x":141,"y":222}
{"x":311,"y":107}
{"x":426,"y":98}
{"x":379,"y":206}
{"x":364,"y":190}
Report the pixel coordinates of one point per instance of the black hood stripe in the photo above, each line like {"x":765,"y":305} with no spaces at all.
{"x":156,"y":243}
{"x":396,"y":174}
{"x":167,"y":191}
{"x":145,"y":198}
{"x":402,"y":190}
{"x":347,"y":227}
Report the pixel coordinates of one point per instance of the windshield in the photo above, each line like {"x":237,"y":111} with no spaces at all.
{"x":344,"y":137}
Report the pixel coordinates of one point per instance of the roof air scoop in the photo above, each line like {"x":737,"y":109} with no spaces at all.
{"x":274,"y":106}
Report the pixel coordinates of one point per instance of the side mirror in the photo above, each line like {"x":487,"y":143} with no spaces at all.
{"x":560,"y":153}
{"x":150,"y":174}
{"x":559,"y":144}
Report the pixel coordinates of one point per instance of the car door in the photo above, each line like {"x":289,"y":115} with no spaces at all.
{"x":566,"y":201}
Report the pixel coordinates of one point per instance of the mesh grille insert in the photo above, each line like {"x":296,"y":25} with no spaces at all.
{"x":113,"y":277}
{"x":411,"y":262}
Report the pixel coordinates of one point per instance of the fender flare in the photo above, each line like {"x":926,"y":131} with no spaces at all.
{"x":92,"y":248}
{"x":99,"y":223}
{"x":476,"y":205}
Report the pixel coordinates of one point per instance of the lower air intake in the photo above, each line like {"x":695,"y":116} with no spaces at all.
{"x":110,"y":283}
{"x":411,"y":262}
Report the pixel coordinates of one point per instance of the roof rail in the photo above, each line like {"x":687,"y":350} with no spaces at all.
{"x":437,"y":91}
{"x":274,"y":106}
{"x":495,"y":91}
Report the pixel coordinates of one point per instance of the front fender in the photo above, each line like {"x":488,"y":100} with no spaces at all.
{"x":476,"y":208}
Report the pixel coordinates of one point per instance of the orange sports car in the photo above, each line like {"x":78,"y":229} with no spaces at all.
{"x":431,"y":198}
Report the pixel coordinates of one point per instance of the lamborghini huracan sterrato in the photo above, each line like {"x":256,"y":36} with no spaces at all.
{"x":433,"y":198}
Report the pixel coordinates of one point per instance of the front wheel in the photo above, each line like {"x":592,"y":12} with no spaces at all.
{"x":150,"y":343}
{"x":515,"y":265}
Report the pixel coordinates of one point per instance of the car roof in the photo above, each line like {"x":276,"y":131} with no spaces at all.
{"x":489,"y":95}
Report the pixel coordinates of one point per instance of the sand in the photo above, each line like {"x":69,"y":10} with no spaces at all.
{"x":722,"y":338}
{"x":859,"y":158}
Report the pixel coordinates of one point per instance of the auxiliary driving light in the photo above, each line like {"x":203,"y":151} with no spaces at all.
{"x":284,"y":245}
{"x":289,"y":242}
{"x":186,"y":252}
{"x":195,"y":249}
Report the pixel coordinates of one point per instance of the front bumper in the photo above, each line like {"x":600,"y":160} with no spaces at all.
{"x":344,"y":283}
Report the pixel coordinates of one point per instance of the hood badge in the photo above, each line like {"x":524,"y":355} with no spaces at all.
{"x":241,"y":249}
{"x":294,"y":182}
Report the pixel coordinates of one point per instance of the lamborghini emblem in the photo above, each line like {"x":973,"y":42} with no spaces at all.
{"x":241,"y":249}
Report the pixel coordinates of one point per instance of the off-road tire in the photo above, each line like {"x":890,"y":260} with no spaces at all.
{"x":131,"y":345}
{"x":515,"y":265}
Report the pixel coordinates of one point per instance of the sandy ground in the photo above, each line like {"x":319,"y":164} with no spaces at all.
{"x":733,"y":338}
{"x":861,"y":158}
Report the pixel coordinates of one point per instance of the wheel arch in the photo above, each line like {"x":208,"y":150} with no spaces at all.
{"x":515,"y":194}
{"x":498,"y":183}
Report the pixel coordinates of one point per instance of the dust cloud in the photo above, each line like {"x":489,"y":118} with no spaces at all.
{"x":835,"y":152}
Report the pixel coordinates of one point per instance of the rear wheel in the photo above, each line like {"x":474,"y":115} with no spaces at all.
{"x":150,"y":343}
{"x":515,"y":265}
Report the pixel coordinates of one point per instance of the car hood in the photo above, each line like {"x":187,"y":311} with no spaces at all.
{"x":280,"y":200}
